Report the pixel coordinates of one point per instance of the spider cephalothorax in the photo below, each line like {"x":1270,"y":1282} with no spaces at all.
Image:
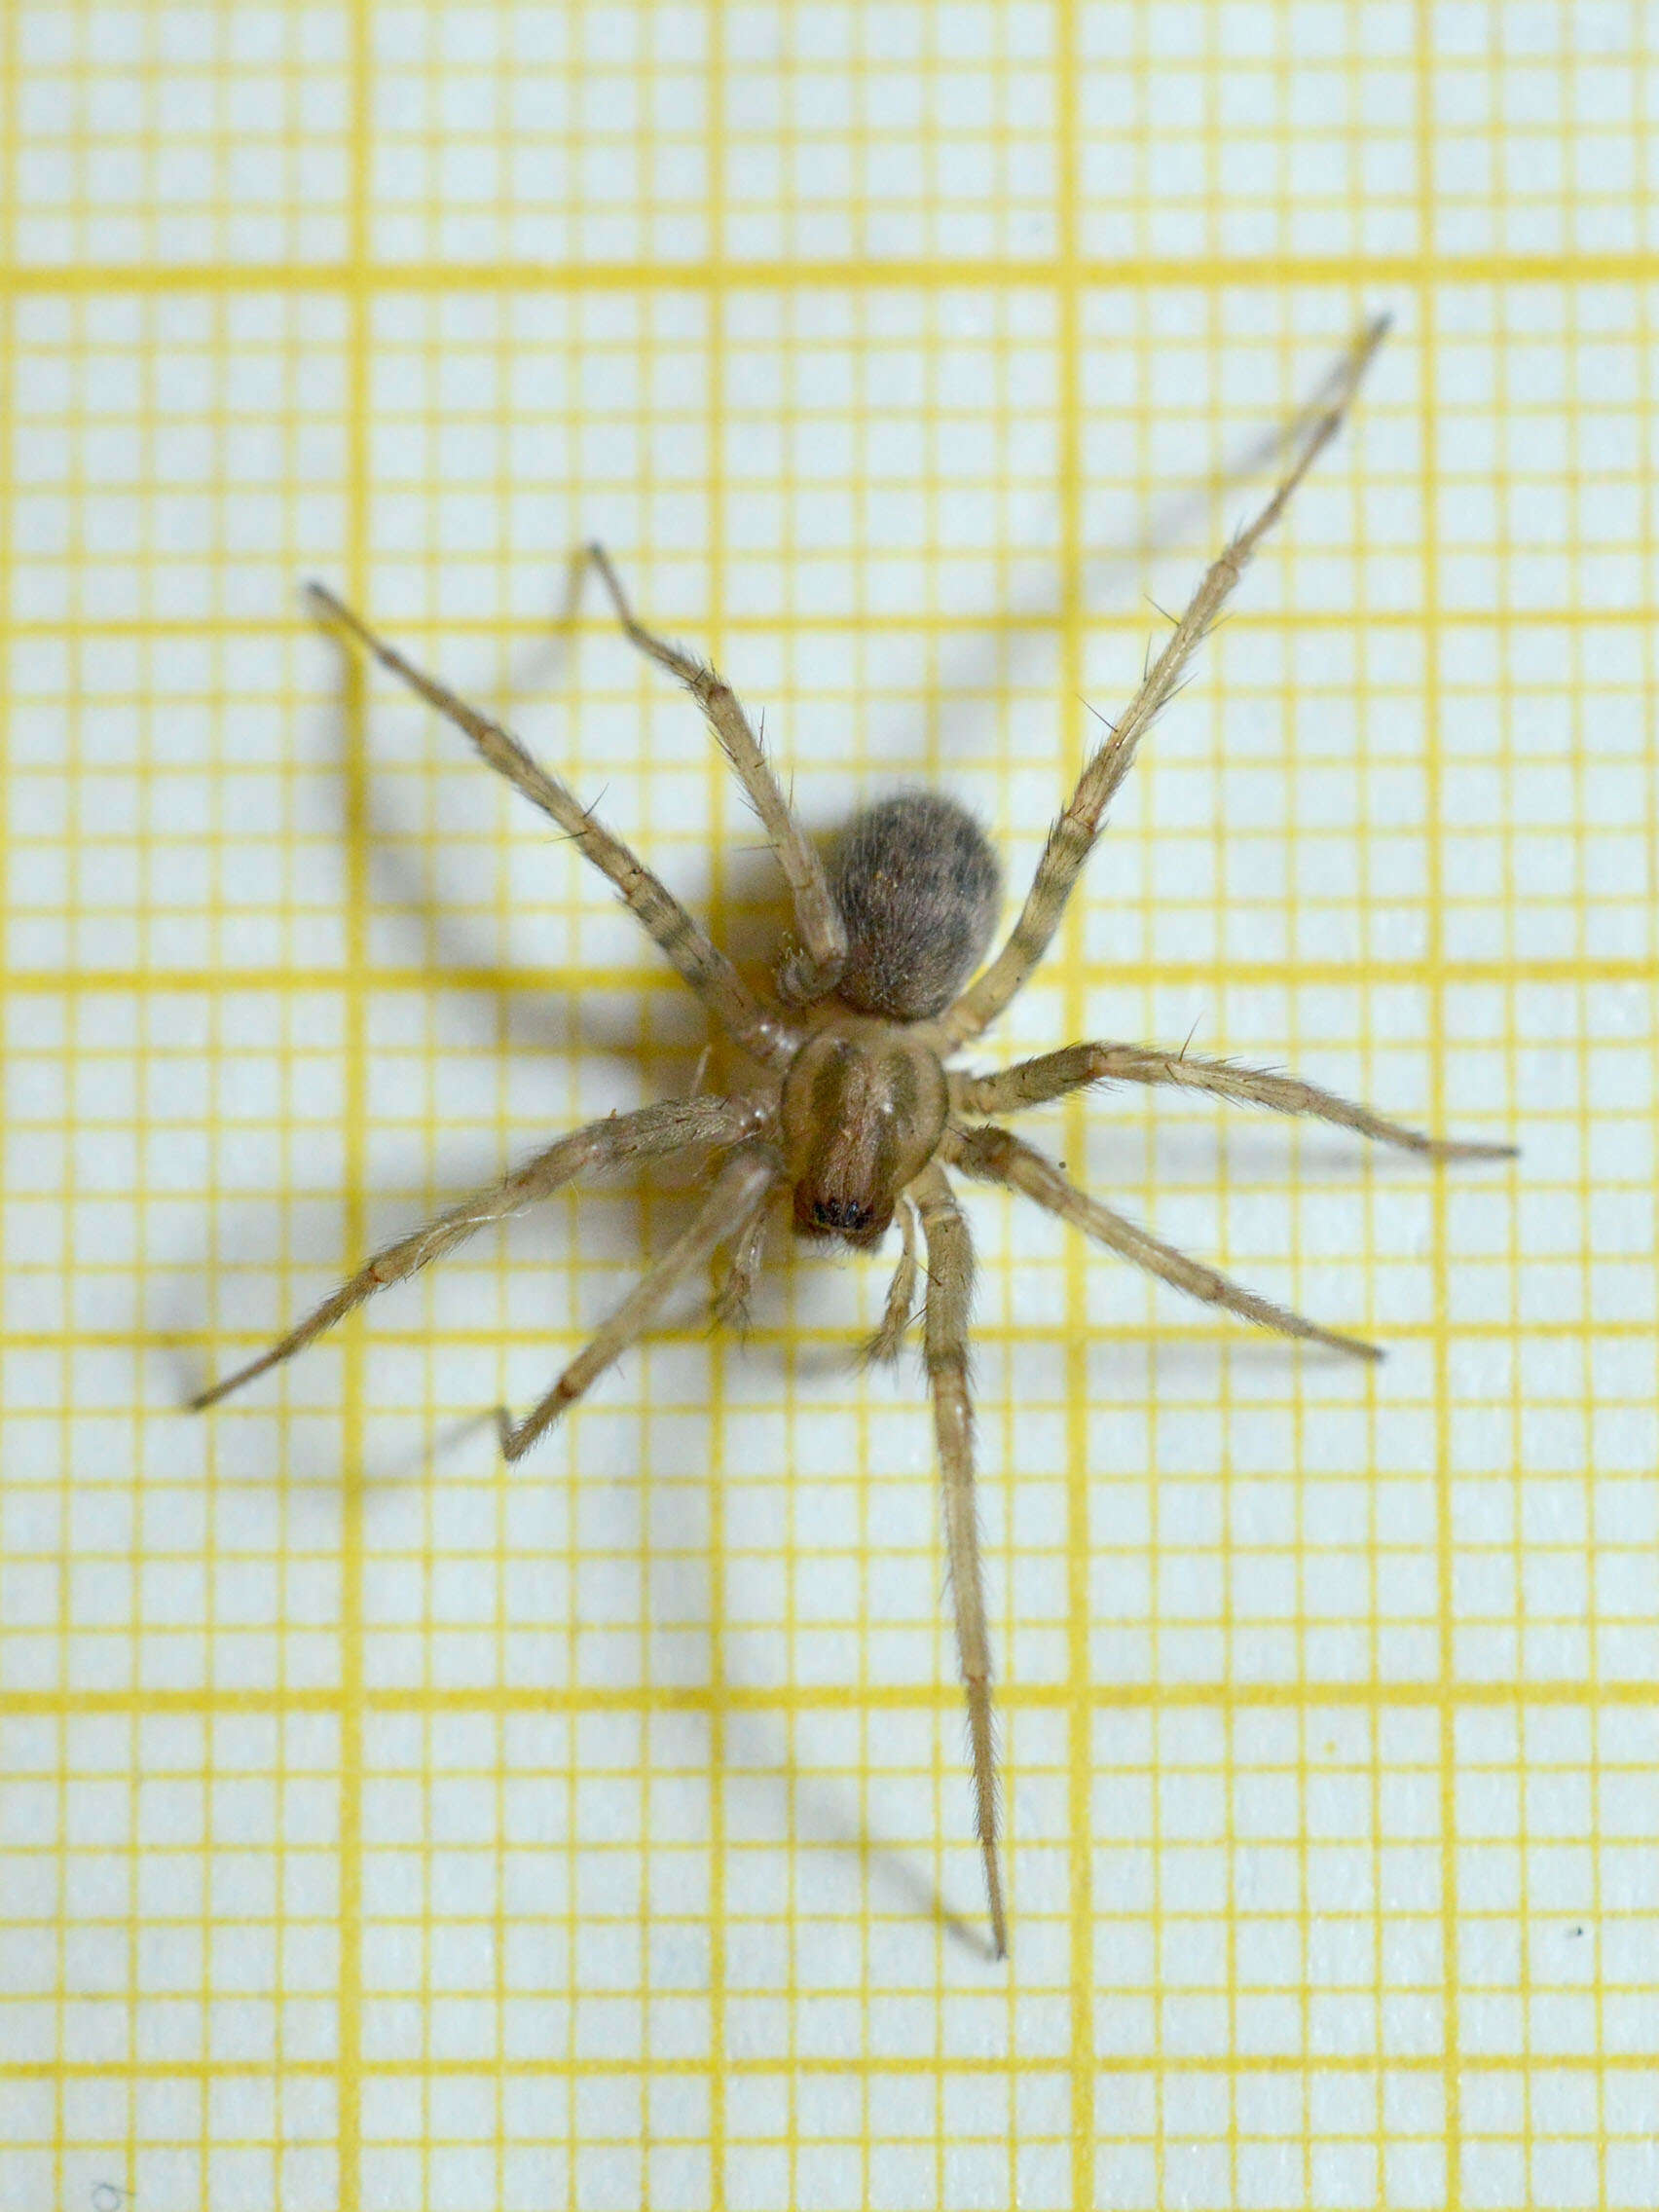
{"x":863,"y":1110}
{"x":856,"y":1114}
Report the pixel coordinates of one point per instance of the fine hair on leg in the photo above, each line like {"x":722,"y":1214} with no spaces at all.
{"x":998,"y":1155}
{"x":949,"y":1291}
{"x":729,"y":1306}
{"x":813,"y":969}
{"x":1034,"y":1083}
{"x":689,"y":947}
{"x":653,"y":1132}
{"x":888,"y":1341}
{"x":1073,"y":836}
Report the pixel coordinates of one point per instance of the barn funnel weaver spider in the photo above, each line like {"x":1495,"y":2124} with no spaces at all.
{"x":857,"y":1114}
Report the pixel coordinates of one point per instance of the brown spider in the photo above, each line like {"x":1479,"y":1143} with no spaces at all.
{"x":857,"y":1114}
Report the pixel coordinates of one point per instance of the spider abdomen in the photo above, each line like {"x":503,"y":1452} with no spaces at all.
{"x":918,"y":888}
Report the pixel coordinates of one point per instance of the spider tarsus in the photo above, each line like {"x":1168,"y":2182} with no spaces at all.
{"x":729,"y":1309}
{"x":994,"y":1897}
{"x":883,"y":1347}
{"x":334,"y":612}
{"x":803,"y":981}
{"x":516,"y":1441}
{"x":254,"y":1368}
{"x":611,"y":581}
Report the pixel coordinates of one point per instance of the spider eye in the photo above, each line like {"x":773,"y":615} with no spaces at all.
{"x":844,"y":1217}
{"x":828,"y":1213}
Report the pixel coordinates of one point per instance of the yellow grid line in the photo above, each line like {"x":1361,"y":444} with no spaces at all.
{"x":1451,"y":2038}
{"x":718,"y":813}
{"x":357,"y":985}
{"x":1080,"y":1872}
{"x":1371,"y":273}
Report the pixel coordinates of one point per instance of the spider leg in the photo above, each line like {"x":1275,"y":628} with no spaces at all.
{"x":730,"y":1305}
{"x":950,"y":1279}
{"x":649,"y":1133}
{"x":1072,"y":838}
{"x":688,"y":947}
{"x":811,"y":972}
{"x":1032,"y":1083}
{"x":743,"y":1184}
{"x":888,"y":1341}
{"x":997,"y":1156}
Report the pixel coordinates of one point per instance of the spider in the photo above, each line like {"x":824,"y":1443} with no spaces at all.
{"x":856,"y":1112}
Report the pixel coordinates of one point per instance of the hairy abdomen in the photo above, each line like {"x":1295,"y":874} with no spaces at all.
{"x":918,"y":888}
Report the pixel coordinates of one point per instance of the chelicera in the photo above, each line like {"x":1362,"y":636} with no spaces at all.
{"x":857,"y":1116}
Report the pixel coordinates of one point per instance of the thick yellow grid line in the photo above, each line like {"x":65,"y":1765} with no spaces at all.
{"x":1371,"y":273}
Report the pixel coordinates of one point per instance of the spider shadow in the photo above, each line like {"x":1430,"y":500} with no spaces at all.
{"x":442,"y":943}
{"x":820,"y":1816}
{"x":755,"y":904}
{"x":385,"y":862}
{"x":441,"y":940}
{"x":755,"y":1760}
{"x":1012,"y":637}
{"x":751,"y":918}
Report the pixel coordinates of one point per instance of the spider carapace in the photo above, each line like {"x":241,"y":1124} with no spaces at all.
{"x":857,"y":1114}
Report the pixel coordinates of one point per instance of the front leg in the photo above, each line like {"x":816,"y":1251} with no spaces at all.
{"x":689,"y":949}
{"x":1072,"y":837}
{"x":813,"y":970}
{"x":951,"y":1282}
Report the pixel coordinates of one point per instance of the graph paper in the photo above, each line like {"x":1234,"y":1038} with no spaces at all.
{"x":380,"y":1827}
